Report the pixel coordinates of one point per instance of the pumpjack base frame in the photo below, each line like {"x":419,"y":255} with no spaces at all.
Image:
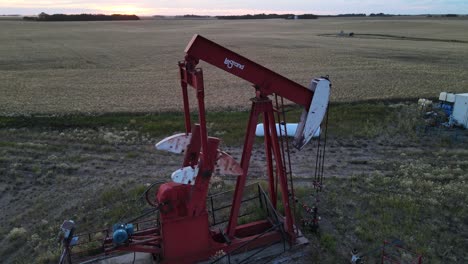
{"x":254,"y":240}
{"x":258,"y":234}
{"x":268,"y":253}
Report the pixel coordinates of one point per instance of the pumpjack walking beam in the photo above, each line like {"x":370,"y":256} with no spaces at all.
{"x":265,"y":80}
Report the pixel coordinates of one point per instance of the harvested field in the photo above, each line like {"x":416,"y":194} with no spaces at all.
{"x":132,"y":66}
{"x":384,"y":178}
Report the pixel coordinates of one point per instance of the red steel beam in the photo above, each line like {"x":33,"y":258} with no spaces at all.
{"x":266,"y":80}
{"x":245,"y":161}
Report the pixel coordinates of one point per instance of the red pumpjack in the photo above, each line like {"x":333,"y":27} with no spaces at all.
{"x":184,"y":234}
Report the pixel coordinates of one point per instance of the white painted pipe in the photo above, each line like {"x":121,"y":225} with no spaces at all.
{"x":290,"y":127}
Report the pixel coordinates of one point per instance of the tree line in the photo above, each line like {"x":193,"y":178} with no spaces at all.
{"x":270,"y":16}
{"x":81,"y":17}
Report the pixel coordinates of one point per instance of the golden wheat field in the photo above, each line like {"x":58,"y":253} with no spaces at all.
{"x":132,"y":66}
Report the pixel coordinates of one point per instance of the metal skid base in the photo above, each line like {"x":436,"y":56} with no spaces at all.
{"x":257,"y":241}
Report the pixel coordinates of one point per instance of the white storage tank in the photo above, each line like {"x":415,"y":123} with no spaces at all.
{"x":460,"y":109}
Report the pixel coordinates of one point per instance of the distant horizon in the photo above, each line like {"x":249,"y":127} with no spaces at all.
{"x":204,"y":15}
{"x":238,"y":7}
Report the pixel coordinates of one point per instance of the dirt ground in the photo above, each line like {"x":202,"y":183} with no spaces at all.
{"x":49,"y":175}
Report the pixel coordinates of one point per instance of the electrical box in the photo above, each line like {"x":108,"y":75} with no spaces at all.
{"x":460,"y":109}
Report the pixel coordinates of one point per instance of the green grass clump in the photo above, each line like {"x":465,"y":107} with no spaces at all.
{"x":370,"y":120}
{"x":421,"y":204}
{"x":17,"y":233}
{"x":365,"y":120}
{"x":8,"y":144}
{"x":328,"y":242}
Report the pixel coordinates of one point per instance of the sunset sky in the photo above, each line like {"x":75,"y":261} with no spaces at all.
{"x":224,"y":7}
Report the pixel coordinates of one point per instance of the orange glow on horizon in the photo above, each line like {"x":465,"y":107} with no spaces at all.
{"x":139,"y":8}
{"x":150,"y":11}
{"x":126,"y":9}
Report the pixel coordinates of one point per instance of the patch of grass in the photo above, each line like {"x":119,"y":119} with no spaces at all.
{"x":365,"y":120}
{"x":79,"y":158}
{"x":397,"y":37}
{"x":110,"y":195}
{"x":17,"y":233}
{"x":421,"y":204}
{"x":115,"y":204}
{"x":7,"y":144}
{"x":49,"y":256}
{"x":121,"y":203}
{"x":131,"y":155}
{"x":36,"y":168}
{"x":328,"y":242}
{"x":154,"y":123}
{"x":255,"y":214}
{"x":369,"y":120}
{"x":230,"y":126}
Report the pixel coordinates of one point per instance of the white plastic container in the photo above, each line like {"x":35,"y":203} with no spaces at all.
{"x":447,"y":97}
